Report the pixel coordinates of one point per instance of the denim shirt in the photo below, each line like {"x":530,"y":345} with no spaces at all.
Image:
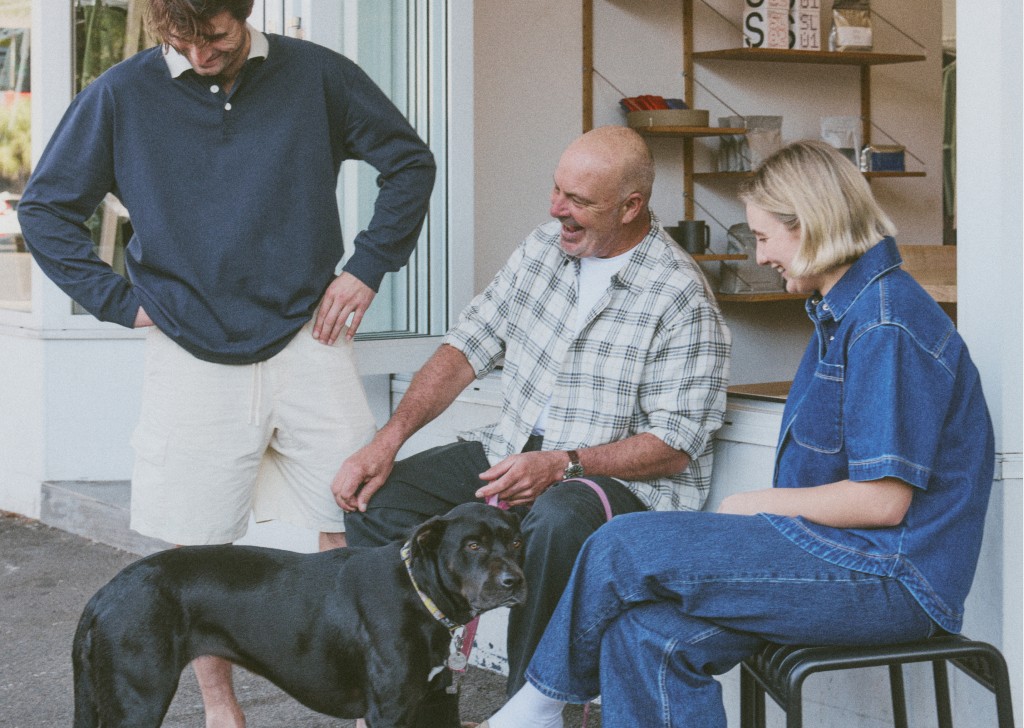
{"x":886,"y":388}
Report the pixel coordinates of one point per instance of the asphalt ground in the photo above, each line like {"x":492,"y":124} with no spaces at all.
{"x":47,"y":576}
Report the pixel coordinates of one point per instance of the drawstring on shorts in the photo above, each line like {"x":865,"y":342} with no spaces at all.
{"x":256,"y":399}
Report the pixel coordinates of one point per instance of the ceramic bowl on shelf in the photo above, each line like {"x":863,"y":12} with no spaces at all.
{"x":667,"y":117}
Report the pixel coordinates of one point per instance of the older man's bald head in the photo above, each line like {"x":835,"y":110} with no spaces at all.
{"x":619,"y":150}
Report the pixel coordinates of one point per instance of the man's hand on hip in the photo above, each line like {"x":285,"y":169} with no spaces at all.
{"x":346,"y":296}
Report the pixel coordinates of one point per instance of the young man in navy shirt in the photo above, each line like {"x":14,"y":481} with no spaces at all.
{"x":225,"y":144}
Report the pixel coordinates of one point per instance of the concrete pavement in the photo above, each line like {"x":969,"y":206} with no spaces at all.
{"x":46,"y":577}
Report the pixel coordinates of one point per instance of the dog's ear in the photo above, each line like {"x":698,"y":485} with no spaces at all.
{"x":514,"y":517}
{"x":427,"y":538}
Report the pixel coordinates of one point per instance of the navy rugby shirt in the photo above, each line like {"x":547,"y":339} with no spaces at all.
{"x":232,"y":196}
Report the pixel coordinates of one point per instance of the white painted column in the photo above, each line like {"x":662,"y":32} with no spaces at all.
{"x":990,"y":190}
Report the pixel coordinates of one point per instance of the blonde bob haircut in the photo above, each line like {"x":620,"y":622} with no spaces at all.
{"x":811,"y":187}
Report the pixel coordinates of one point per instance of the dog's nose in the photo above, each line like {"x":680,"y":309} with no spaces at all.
{"x":510,"y":580}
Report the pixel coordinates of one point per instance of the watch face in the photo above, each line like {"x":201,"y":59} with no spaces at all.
{"x":573,"y":470}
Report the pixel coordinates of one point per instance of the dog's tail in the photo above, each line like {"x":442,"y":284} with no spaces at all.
{"x":86,"y":711}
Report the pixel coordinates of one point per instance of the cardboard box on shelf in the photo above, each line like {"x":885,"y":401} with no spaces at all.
{"x":805,"y":19}
{"x":766,"y":24}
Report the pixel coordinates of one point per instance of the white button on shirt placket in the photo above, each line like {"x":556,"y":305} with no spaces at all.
{"x":215,"y":89}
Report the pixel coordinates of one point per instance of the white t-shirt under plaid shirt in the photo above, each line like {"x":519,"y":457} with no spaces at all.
{"x":652,"y":356}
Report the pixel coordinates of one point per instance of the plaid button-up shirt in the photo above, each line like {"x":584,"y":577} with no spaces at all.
{"x":652,"y":356}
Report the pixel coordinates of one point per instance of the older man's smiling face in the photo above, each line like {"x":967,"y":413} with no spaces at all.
{"x":586,"y":200}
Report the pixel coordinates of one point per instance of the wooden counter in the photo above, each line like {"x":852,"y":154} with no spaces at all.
{"x":767,"y":391}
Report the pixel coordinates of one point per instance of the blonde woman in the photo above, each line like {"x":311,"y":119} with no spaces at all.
{"x":872,"y":530}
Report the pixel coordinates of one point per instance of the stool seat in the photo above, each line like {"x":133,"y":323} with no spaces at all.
{"x":780,"y":671}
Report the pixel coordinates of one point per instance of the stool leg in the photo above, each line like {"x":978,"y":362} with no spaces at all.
{"x":795,"y":704}
{"x":1000,"y":686}
{"x":942,"y":694}
{"x":795,"y":711}
{"x":751,"y":701}
{"x":899,"y":699}
{"x":1004,"y":703}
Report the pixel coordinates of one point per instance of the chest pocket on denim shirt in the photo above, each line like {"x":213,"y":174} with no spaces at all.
{"x":819,"y":421}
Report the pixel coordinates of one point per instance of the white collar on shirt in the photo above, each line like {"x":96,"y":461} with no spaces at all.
{"x":177,"y":64}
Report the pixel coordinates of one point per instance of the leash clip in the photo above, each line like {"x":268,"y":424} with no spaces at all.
{"x":458,"y":660}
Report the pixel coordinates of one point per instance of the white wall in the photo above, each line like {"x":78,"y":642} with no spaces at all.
{"x":526,"y":109}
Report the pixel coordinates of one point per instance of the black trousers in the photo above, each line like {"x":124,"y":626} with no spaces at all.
{"x":554,"y":528}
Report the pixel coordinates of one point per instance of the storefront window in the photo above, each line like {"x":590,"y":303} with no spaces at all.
{"x":402,"y":45}
{"x":15,"y":151}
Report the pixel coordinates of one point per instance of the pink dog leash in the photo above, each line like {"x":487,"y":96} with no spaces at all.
{"x":608,"y":515}
{"x":493,"y":500}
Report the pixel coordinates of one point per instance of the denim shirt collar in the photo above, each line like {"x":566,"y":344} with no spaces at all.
{"x":878,"y":260}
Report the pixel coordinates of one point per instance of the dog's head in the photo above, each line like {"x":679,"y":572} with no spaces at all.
{"x":476,"y":552}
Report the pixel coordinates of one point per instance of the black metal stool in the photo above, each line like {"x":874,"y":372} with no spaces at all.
{"x":780,"y":672}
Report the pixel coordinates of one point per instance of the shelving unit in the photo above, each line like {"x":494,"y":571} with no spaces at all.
{"x":863,"y":60}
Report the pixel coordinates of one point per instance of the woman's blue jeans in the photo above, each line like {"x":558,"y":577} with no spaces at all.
{"x":659,"y":603}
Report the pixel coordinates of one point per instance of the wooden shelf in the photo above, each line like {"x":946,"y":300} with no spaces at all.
{"x":758,"y":297}
{"x":684,"y":132}
{"x":785,"y":55}
{"x":722,"y":175}
{"x":878,"y":175}
{"x":711,"y":257}
{"x":711,"y":176}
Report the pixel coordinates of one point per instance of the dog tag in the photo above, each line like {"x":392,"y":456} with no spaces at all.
{"x":458,"y":661}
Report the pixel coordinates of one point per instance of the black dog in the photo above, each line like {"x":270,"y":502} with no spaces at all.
{"x":345,"y":632}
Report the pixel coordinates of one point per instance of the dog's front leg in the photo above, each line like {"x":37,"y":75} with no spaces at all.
{"x":437,"y":709}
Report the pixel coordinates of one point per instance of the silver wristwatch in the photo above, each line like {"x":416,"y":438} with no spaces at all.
{"x":573,"y":469}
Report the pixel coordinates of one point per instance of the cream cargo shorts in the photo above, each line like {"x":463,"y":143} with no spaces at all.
{"x":217,"y":442}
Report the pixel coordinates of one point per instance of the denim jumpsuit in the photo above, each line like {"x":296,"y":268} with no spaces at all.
{"x":660,"y":602}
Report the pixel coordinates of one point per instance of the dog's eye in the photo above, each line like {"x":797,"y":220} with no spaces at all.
{"x":473,"y":546}
{"x":517,"y":543}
